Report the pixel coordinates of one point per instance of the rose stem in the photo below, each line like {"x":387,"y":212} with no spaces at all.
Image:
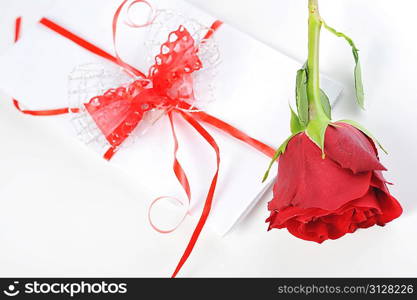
{"x":313,"y":82}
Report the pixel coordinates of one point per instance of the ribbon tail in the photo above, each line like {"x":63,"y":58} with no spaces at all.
{"x":182,"y":179}
{"x":210,"y":195}
{"x":178,"y":170}
{"x":52,"y":112}
{"x":234,"y":132}
{"x":213,"y":28}
{"x":110,"y":153}
{"x":48,"y":112}
{"x":17,"y":28}
{"x":87,"y":45}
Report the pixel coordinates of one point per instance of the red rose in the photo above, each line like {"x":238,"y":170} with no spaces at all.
{"x":318,"y":199}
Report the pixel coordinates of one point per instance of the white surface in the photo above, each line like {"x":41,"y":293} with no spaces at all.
{"x":88,"y":220}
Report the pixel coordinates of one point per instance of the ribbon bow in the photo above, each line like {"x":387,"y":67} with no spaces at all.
{"x":168,"y":86}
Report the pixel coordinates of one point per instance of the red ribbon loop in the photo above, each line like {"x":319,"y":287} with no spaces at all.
{"x":151,"y":15}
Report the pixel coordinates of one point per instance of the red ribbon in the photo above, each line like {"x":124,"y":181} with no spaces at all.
{"x":51,"y":112}
{"x":17,"y":29}
{"x":192,"y":116}
{"x":182,"y":179}
{"x":209,"y":199}
{"x":178,"y":170}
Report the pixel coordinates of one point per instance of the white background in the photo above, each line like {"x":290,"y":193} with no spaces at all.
{"x":64,"y":212}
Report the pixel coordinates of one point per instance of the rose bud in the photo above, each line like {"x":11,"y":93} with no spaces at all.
{"x":329,"y":179}
{"x":318,"y":199}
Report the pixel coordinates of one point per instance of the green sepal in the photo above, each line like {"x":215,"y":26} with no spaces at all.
{"x":295,"y":123}
{"x":360,"y":95}
{"x":316,"y":131}
{"x":280,"y":150}
{"x":365,"y":131}
{"x":325,"y":103}
{"x":301,"y":96}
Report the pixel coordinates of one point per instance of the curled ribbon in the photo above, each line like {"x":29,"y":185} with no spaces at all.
{"x":168,"y":86}
{"x":151,"y":16}
{"x":182,"y":179}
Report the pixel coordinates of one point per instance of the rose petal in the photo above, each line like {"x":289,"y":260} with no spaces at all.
{"x":379,"y":181}
{"x":367,"y":201}
{"x":368,"y":223}
{"x":306,"y":180}
{"x":359,"y":216}
{"x":316,"y":232}
{"x":338,"y":225}
{"x":390,"y":208}
{"x":302,"y":215}
{"x":350,"y":148}
{"x":315,"y":224}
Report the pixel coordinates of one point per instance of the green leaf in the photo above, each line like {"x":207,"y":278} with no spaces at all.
{"x":295,"y":123}
{"x":301,"y":96}
{"x":316,"y":131}
{"x":325,"y":103}
{"x":360,"y":95}
{"x":279,"y":151}
{"x":365,"y":131}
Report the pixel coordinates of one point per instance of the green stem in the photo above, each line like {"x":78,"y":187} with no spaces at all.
{"x":313,"y":81}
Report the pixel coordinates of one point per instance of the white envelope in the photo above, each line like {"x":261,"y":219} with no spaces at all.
{"x":253,"y":87}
